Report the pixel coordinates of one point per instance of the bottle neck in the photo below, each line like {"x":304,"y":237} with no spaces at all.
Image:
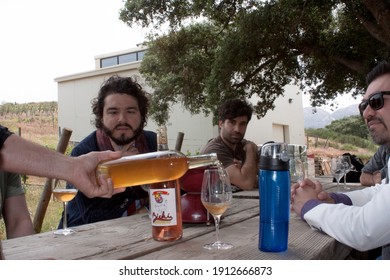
{"x":203,"y":160}
{"x":162,"y":147}
{"x":162,"y":139}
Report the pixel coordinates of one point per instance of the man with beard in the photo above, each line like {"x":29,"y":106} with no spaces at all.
{"x":238,"y":156}
{"x":120,"y":117}
{"x":357,"y":218}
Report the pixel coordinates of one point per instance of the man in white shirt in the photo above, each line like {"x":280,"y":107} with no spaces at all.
{"x":359,"y":218}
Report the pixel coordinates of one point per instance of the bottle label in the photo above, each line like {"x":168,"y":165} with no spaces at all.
{"x":163,"y":207}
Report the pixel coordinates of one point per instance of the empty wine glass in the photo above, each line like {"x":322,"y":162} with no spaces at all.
{"x":61,"y":193}
{"x":348,"y":166}
{"x":216,"y":196}
{"x":297,"y":170}
{"x":337,"y":169}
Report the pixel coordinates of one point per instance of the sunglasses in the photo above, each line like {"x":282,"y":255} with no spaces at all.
{"x":375,"y":101}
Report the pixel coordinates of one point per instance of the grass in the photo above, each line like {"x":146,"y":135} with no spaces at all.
{"x":43,"y":132}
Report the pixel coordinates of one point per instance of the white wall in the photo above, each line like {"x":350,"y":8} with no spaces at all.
{"x":76,"y":91}
{"x":286,"y":114}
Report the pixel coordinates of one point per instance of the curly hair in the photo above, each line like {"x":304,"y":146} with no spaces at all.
{"x":233,"y":108}
{"x":121,"y":85}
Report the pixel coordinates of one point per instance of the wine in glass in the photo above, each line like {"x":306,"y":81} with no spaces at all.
{"x":61,"y":193}
{"x":337,"y":169}
{"x":216,"y":196}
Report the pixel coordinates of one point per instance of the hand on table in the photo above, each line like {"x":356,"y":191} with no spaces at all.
{"x":306,"y":190}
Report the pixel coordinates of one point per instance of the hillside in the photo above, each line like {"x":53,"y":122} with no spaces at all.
{"x":319,"y":118}
{"x":36,"y":122}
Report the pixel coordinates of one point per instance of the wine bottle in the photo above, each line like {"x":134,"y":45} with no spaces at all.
{"x":148,"y":168}
{"x":165,"y":202}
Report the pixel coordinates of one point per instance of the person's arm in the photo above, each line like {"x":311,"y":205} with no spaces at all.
{"x":363,"y":226}
{"x":16,"y":217}
{"x":21,"y":156}
{"x":372,"y":170}
{"x":370,"y":179}
{"x":245,"y":176}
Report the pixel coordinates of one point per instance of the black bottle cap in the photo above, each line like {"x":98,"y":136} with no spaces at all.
{"x":274,"y":156}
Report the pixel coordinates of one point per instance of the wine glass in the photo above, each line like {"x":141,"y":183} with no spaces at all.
{"x":61,"y":193}
{"x":297,"y":170}
{"x":216,"y":196}
{"x":337,"y":169}
{"x":348,"y":166}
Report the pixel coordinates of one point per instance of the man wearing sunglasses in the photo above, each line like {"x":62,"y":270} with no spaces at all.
{"x":358,"y":218}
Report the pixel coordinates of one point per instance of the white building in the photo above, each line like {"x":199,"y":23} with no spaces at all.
{"x":75,"y":92}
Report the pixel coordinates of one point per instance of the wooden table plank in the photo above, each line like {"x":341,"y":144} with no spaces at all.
{"x":130,"y":238}
{"x":122,"y":238}
{"x":304,"y":243}
{"x":253,"y":194}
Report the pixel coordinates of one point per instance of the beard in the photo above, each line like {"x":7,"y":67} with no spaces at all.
{"x":122,"y":139}
{"x":233,"y":140}
{"x":380,"y":137}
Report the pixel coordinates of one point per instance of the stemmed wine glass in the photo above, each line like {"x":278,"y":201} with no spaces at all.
{"x":297,"y":170}
{"x":337,"y":169}
{"x":61,"y":193}
{"x":348,"y":167}
{"x":216,"y":196}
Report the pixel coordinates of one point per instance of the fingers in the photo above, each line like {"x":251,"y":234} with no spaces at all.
{"x":294,"y":188}
{"x":106,"y":187}
{"x":108,"y":155}
{"x":118,"y":190}
{"x":323,"y":195}
{"x":317,"y":186}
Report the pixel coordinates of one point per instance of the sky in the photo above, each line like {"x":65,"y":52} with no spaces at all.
{"x":45,"y":39}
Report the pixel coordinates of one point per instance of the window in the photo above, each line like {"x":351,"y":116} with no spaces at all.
{"x":108,"y":61}
{"x":121,"y":59}
{"x":141,"y":55}
{"x":129,"y":57}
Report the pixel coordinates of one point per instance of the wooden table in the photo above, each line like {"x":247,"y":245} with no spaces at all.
{"x":130,"y":238}
{"x":326,"y":182}
{"x":330,"y":186}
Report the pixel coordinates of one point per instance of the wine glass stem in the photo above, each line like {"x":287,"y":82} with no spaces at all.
{"x":217,"y":219}
{"x":345,"y":180}
{"x":65,"y":221}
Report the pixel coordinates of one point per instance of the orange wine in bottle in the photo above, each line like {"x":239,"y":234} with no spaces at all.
{"x":165,"y":202}
{"x":152,"y":167}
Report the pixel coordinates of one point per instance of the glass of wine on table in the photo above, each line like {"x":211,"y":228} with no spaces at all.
{"x":216,"y":196}
{"x":61,"y":193}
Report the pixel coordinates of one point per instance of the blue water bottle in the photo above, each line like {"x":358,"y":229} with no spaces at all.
{"x":274,"y":188}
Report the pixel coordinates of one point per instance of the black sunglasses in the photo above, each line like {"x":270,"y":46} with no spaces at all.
{"x":375,"y":101}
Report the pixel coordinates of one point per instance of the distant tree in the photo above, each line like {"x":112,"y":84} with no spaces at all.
{"x":214,"y":50}
{"x":353,"y":125}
